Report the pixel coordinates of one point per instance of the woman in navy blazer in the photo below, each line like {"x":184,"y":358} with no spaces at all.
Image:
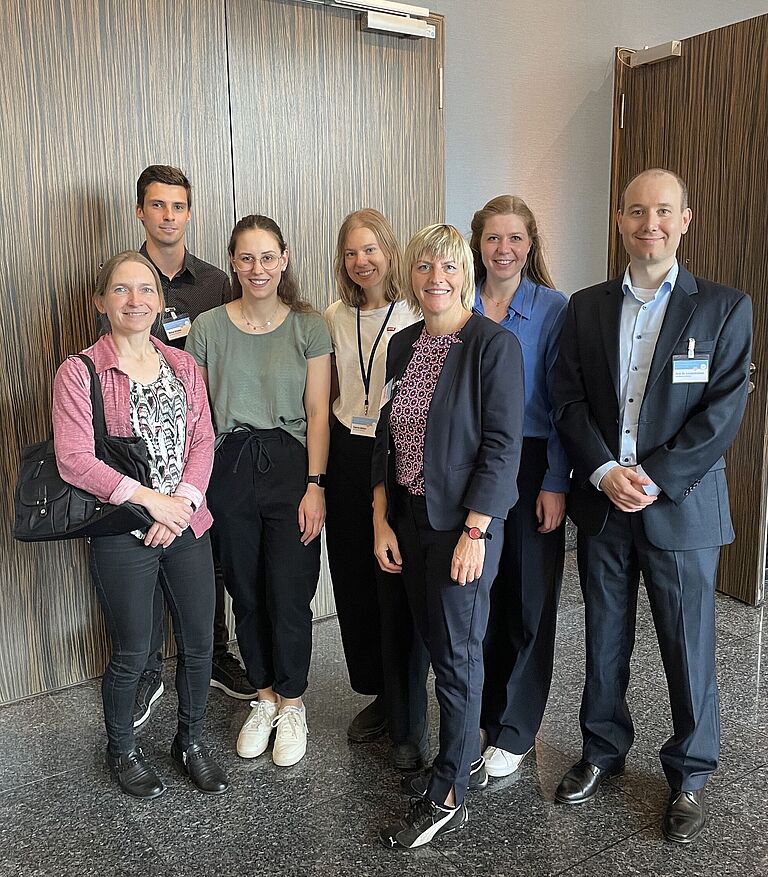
{"x":444,"y":476}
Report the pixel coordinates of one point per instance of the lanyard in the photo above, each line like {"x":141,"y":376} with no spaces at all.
{"x":366,"y":374}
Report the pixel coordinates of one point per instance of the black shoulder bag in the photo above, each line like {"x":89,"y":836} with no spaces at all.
{"x":48,"y":509}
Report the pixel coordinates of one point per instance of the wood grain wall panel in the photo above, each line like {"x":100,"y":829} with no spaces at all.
{"x":327,"y":119}
{"x":705,"y":115}
{"x":91,"y":91}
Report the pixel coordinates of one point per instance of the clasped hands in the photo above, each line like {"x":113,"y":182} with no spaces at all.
{"x":624,"y":487}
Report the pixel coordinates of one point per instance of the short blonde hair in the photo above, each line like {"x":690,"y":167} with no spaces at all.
{"x":105,"y":275}
{"x":441,"y":241}
{"x":349,"y":292}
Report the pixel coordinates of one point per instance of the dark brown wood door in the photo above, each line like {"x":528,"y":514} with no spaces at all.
{"x":705,"y":115}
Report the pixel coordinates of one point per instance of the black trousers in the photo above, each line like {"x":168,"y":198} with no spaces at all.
{"x":125,"y":574}
{"x":681,"y":591}
{"x":258,"y":480}
{"x":220,"y":631}
{"x":452,"y":620}
{"x":383,"y":650}
{"x":520,"y":642}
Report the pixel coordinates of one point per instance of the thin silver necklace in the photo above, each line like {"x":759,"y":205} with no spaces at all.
{"x":253,"y":326}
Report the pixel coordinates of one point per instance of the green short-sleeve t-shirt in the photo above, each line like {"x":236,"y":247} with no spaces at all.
{"x":258,"y":380}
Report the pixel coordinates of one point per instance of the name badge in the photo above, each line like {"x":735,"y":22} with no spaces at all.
{"x":365,"y":426}
{"x":176,"y":325}
{"x":690,"y":370}
{"x":386,"y":393}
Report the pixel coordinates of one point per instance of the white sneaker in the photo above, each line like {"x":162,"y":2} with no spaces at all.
{"x":291,"y":737}
{"x":500,"y":763}
{"x":255,"y":733}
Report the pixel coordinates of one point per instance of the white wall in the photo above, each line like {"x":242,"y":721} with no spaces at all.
{"x":528,"y":102}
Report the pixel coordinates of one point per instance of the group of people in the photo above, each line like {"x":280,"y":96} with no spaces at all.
{"x":437,"y":419}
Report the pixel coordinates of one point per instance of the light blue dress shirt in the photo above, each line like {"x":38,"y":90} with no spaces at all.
{"x":642,"y":316}
{"x":535,"y":316}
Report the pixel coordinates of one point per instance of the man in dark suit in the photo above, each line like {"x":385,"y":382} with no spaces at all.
{"x":650,"y":387}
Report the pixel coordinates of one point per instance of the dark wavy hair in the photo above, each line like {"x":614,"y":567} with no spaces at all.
{"x":288,"y":289}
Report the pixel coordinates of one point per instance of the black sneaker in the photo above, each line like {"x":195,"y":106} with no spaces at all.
{"x":149,"y":690}
{"x":423,"y":822}
{"x":416,"y":784}
{"x":227,"y":674}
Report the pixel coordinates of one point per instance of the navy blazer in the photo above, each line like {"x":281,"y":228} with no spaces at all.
{"x":683,"y":430}
{"x":474,"y":426}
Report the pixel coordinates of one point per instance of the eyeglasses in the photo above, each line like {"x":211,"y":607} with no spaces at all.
{"x":246,"y":262}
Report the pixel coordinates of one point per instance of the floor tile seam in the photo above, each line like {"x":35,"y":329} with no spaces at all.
{"x":602,"y":851}
{"x":725,"y":784}
{"x":37,"y":782}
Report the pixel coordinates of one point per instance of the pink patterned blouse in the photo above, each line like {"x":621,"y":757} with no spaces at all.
{"x":410,"y":407}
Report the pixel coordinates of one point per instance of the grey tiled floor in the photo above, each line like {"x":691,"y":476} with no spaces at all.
{"x":60,"y":814}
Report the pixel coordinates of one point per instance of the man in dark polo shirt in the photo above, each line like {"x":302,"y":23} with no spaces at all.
{"x":190,"y":287}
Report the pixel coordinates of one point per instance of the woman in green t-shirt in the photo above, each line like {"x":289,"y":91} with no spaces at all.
{"x":266,"y":358}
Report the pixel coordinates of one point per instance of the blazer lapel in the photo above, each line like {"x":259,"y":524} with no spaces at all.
{"x":609,"y":314}
{"x":679,"y":310}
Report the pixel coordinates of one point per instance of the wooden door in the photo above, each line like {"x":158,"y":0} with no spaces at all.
{"x":705,"y":115}
{"x":91,"y":93}
{"x":326,"y":119}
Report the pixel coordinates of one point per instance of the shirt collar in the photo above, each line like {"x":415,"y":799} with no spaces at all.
{"x":667,"y":284}
{"x":522,"y":300}
{"x":189,"y":262}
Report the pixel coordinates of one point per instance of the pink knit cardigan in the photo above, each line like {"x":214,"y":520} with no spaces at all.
{"x":73,"y":427}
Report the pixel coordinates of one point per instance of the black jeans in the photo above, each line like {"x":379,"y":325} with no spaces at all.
{"x":125,"y":574}
{"x":258,"y":480}
{"x":384,"y":651}
{"x":220,"y":631}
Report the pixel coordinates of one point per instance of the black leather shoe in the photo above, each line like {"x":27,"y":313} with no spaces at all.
{"x":686,"y":816}
{"x":134,"y":775}
{"x":369,"y":724}
{"x":196,"y":762}
{"x":409,"y":757}
{"x":582,"y":781}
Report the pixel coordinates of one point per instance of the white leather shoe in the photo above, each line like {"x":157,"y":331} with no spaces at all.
{"x":255,"y":733}
{"x":500,"y":763}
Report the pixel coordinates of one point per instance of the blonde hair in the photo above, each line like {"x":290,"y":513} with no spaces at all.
{"x":505,"y":205}
{"x":110,"y":266}
{"x":442,"y":241}
{"x":349,"y":292}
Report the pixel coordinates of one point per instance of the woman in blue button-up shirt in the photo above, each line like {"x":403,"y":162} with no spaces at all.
{"x":515,"y":290}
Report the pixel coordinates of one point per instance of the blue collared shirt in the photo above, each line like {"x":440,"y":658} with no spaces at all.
{"x":535,"y":316}
{"x":642,"y":316}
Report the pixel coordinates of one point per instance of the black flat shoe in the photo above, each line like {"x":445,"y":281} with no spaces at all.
{"x":135,"y":777}
{"x":686,"y":816}
{"x":369,"y":724}
{"x":196,"y":762}
{"x":582,"y":781}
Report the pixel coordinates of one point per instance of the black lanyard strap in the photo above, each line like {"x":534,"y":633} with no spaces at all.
{"x":366,"y":374}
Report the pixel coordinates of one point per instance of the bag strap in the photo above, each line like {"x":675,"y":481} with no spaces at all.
{"x":97,"y":400}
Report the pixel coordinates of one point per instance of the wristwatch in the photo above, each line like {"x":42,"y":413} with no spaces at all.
{"x":319,"y":480}
{"x":477,"y":533}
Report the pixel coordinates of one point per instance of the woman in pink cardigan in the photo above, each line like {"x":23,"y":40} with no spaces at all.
{"x":155,"y":392}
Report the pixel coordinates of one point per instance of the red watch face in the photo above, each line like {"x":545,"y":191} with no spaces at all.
{"x":475,"y":533}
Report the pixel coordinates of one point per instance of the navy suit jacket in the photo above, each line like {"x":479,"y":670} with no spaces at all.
{"x":474,"y":427}
{"x":684,"y":429}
